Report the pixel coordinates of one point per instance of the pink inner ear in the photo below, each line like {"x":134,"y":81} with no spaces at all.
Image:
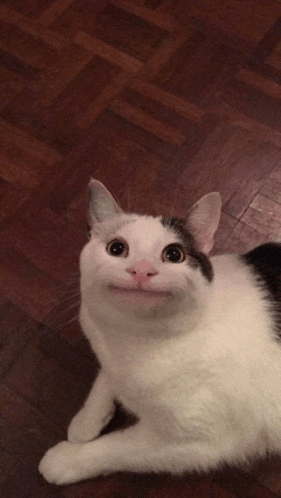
{"x":204,"y":219}
{"x":102,"y":204}
{"x":206,"y":243}
{"x":204,"y":239}
{"x":94,"y":231}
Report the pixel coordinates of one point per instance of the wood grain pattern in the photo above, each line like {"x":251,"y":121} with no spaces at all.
{"x":164,"y":101}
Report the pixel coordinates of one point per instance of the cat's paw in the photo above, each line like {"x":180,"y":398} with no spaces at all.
{"x":83,"y":428}
{"x":62,"y":464}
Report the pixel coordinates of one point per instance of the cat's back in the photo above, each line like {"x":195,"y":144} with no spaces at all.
{"x":247,"y":299}
{"x":264,"y":262}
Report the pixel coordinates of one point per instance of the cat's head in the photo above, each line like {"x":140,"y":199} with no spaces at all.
{"x":143,"y":265}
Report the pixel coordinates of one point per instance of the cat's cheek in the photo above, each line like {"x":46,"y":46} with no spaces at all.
{"x":88,"y":256}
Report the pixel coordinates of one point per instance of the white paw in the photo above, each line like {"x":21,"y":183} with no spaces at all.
{"x":61,"y":464}
{"x":83,"y":428}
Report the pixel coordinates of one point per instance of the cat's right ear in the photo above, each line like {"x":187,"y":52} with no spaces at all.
{"x":203,"y":220}
{"x":101,"y":204}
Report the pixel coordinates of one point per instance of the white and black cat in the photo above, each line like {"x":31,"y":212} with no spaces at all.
{"x":189,"y":344}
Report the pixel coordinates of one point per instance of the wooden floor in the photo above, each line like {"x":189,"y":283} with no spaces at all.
{"x":164,"y":101}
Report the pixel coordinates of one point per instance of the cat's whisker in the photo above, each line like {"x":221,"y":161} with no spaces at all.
{"x":70,"y":307}
{"x":74,"y":279}
{"x":57,"y":303}
{"x":69,"y":295}
{"x":58,"y":320}
{"x":72,"y":320}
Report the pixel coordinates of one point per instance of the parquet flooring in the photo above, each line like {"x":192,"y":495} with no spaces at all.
{"x":163,"y":101}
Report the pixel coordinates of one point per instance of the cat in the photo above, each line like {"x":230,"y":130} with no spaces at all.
{"x":188,"y":343}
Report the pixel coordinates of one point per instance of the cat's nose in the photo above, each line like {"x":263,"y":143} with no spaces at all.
{"x":142,"y":271}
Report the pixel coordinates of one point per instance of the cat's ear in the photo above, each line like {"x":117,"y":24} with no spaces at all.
{"x":203,"y":220}
{"x":101,"y":204}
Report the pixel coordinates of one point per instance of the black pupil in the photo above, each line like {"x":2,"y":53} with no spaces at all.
{"x":173,"y":254}
{"x":117,"y":248}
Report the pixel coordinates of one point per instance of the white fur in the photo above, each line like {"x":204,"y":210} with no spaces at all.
{"x":202,"y":372}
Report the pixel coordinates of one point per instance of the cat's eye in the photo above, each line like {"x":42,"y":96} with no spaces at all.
{"x":118,"y":248}
{"x":173,"y":253}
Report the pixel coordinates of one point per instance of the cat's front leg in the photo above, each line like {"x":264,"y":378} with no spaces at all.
{"x":68,"y":462}
{"x":134,"y":449}
{"x":95,"y":414}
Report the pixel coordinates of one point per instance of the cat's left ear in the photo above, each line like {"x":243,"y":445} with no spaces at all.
{"x":101,"y":204}
{"x":203,"y":220}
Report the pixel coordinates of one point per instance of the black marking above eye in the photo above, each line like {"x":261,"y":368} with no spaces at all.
{"x":179,"y":227}
{"x":173,"y":253}
{"x":118,"y":248}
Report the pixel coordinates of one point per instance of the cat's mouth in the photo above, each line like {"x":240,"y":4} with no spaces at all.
{"x":139,"y":292}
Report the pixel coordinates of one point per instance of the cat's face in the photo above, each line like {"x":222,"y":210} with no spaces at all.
{"x":140,"y":265}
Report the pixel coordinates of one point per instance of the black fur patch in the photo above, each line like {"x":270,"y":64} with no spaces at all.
{"x":199,"y":260}
{"x":265,"y":261}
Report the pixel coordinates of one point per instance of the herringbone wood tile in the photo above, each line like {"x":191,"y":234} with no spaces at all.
{"x":164,"y":101}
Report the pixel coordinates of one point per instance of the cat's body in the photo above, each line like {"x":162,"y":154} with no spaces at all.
{"x":187,"y":343}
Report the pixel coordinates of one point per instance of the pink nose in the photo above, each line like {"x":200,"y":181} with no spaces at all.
{"x":142,"y":271}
